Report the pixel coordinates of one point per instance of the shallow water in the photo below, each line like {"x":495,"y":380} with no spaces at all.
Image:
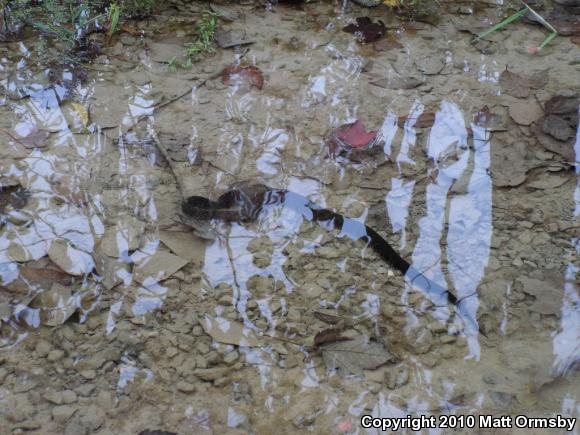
{"x":116,"y":318}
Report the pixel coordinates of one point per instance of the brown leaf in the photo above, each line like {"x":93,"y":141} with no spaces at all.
{"x":56,"y":305}
{"x":250,"y":74}
{"x":560,"y":105}
{"x":524,"y":112}
{"x":556,"y":127}
{"x":14,"y":196}
{"x":44,"y":273}
{"x":424,"y":120}
{"x":565,"y":149}
{"x":519,"y":86}
{"x":36,"y":139}
{"x":365,"y":30}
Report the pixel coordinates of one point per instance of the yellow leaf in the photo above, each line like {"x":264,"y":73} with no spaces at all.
{"x":391,"y":3}
{"x":81,"y":112}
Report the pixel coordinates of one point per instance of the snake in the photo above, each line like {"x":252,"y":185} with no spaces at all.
{"x":244,"y":203}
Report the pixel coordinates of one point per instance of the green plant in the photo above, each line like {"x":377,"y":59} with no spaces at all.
{"x":519,"y":14}
{"x":113,"y":16}
{"x":202,"y":44}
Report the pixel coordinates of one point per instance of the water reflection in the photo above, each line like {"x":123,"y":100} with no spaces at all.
{"x":102,"y":193}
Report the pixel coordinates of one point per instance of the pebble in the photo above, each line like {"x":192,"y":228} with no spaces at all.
{"x":446,"y":339}
{"x":203,"y":348}
{"x":85,"y":390}
{"x":69,"y":396}
{"x":3,"y":374}
{"x":231,"y":357}
{"x":55,"y":355}
{"x":62,"y":413}
{"x":105,"y":400}
{"x":185,"y":387}
{"x":171,"y":352}
{"x":43,"y":348}
{"x":89,"y":374}
{"x":53,"y":397}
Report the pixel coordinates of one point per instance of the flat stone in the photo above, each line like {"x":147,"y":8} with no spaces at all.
{"x":62,"y":413}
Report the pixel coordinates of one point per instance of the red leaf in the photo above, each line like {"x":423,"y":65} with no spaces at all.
{"x":250,"y":74}
{"x":355,"y":135}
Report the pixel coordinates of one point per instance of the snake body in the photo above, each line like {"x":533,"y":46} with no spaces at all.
{"x":245,"y":202}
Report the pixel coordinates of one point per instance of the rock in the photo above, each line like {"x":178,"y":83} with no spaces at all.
{"x":53,"y":397}
{"x":61,"y":414}
{"x":212,"y":374}
{"x":92,"y":418}
{"x":105,"y":400}
{"x":3,"y":374}
{"x":69,"y":396}
{"x":231,"y":357}
{"x":43,"y":348}
{"x":55,"y":355}
{"x":185,"y":387}
{"x":85,"y":390}
{"x":422,"y":342}
{"x":547,"y":181}
{"x":89,"y":374}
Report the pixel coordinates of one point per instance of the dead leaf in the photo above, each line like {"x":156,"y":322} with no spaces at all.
{"x":354,"y":356}
{"x":249,"y":74}
{"x":231,"y":38}
{"x":565,"y":149}
{"x":518,"y":85}
{"x":43,"y":273}
{"x":36,"y":139}
{"x":424,"y":120}
{"x":229,"y":332}
{"x":73,"y":261}
{"x":556,"y":127}
{"x":430,"y":65}
{"x":56,"y":305}
{"x":157,"y":267}
{"x":365,"y":30}
{"x":510,"y":164}
{"x":184,"y":244}
{"x":13,"y":196}
{"x":354,"y":135}
{"x":560,"y":105}
{"x":489,"y":120}
{"x":81,"y":112}
{"x":524,"y":112}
